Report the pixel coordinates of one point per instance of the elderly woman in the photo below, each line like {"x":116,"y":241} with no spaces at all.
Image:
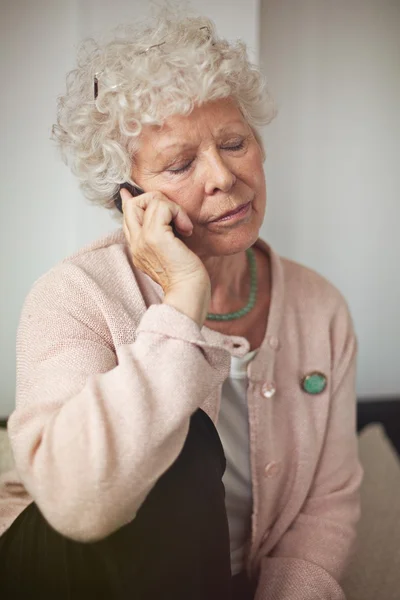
{"x":185,"y":418}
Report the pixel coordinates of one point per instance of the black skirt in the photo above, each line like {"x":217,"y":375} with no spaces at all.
{"x":177,"y":547}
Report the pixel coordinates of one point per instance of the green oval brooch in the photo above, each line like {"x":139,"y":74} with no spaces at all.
{"x":314,"y":383}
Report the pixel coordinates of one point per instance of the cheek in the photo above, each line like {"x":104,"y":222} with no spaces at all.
{"x":187,"y":195}
{"x":258,"y":185}
{"x":257,"y":173}
{"x":257,"y":182}
{"x":261,"y":184}
{"x":253,"y":171}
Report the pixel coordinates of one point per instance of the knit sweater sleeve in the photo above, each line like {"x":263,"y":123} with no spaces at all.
{"x":96,"y":426}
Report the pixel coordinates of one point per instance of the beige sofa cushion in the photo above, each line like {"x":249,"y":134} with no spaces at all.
{"x":6,"y":460}
{"x":374,"y":573}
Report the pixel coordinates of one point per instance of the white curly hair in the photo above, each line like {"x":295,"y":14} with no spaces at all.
{"x":145,"y":74}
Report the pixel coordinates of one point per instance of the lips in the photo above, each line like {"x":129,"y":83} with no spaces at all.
{"x":230,"y":212}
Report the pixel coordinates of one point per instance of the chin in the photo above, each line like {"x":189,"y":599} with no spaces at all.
{"x":230,"y":242}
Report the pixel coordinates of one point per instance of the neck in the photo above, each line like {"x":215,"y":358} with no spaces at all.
{"x":230,"y":277}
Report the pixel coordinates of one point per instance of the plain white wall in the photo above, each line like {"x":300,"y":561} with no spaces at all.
{"x":39,"y":199}
{"x":43,"y":215}
{"x":333,"y":170}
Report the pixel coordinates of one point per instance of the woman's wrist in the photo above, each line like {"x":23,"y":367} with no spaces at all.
{"x":191,"y":299}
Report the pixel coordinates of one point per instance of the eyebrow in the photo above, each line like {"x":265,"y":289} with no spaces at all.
{"x":183,"y":146}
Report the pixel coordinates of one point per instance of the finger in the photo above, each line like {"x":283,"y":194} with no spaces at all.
{"x":125,"y":196}
{"x":133,"y":214}
{"x":161,"y":211}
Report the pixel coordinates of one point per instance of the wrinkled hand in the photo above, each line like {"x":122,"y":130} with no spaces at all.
{"x":155,"y":249}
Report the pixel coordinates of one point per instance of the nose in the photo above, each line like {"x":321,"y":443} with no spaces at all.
{"x":218,"y":176}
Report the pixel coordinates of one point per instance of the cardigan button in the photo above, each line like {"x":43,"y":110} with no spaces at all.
{"x":268,"y":389}
{"x":272,"y":469}
{"x":273,"y":342}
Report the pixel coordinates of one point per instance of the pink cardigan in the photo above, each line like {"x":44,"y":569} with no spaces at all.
{"x":107,"y":378}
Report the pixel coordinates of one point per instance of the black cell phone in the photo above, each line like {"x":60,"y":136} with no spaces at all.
{"x":133,"y":189}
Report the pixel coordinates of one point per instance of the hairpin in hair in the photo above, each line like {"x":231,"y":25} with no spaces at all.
{"x":207,"y":28}
{"x":150,"y":47}
{"x":96,"y":84}
{"x":96,"y":75}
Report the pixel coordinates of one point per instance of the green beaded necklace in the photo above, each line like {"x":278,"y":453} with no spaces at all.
{"x":252,"y":298}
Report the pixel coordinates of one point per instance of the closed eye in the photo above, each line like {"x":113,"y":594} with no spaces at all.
{"x":181,"y":169}
{"x":237,"y":147}
{"x":186,"y":167}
